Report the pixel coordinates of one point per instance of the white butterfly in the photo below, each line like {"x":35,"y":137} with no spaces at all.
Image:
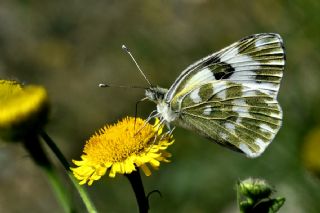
{"x":229,"y":96}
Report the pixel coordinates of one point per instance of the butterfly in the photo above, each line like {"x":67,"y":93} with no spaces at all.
{"x":230,"y":96}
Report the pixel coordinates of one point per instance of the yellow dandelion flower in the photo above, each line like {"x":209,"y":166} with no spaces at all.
{"x":23,"y":109}
{"x":120,"y":148}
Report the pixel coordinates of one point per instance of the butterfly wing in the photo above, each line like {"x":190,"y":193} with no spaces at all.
{"x":233,"y":115}
{"x":230,"y":96}
{"x":257,"y":61}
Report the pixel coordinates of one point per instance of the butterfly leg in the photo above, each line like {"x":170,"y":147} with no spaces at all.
{"x":153,"y":114}
{"x":168,"y":133}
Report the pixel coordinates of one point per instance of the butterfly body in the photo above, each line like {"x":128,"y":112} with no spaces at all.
{"x":156,"y":95}
{"x":229,"y":96}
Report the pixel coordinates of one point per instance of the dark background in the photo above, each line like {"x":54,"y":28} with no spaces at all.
{"x":71,"y":46}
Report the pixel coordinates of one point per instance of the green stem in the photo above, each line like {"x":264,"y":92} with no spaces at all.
{"x":55,"y":150}
{"x":238,"y":194}
{"x":81,"y":190}
{"x":136,"y":183}
{"x":33,"y":146}
{"x":83,"y":194}
{"x":59,"y":190}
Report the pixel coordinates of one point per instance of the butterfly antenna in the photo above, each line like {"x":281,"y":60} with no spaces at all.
{"x":121,"y":86}
{"x":142,"y":73}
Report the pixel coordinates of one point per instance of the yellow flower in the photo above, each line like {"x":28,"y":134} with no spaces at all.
{"x":311,"y":150}
{"x":22,"y":109}
{"x":122,"y":147}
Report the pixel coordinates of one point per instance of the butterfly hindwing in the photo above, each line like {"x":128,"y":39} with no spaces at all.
{"x":233,"y":115}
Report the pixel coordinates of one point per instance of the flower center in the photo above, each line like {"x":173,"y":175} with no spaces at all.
{"x":120,"y":141}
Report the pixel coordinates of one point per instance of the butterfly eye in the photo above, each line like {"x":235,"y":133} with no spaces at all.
{"x":159,"y":96}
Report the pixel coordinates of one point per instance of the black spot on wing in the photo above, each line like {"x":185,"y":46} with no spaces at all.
{"x":226,"y":71}
{"x":220,"y":69}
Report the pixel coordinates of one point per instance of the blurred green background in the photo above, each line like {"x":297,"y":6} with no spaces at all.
{"x":72,"y":46}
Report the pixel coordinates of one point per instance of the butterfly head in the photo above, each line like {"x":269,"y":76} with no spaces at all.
{"x":156,"y":94}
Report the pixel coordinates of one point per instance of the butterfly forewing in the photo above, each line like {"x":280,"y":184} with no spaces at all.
{"x":256,"y":60}
{"x":230,"y":96}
